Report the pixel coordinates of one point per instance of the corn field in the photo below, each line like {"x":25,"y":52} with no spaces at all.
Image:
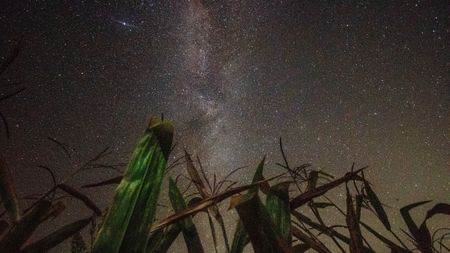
{"x":271,"y":210}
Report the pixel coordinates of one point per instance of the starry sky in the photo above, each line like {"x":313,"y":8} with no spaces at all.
{"x":339,"y":81}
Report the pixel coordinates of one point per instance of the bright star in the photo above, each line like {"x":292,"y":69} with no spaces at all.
{"x":123,"y":23}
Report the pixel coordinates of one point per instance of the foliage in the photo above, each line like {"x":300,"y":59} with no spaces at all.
{"x":273,"y":213}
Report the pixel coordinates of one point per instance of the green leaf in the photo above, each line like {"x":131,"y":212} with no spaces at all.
{"x":134,"y":206}
{"x":241,"y":238}
{"x":376,"y":204}
{"x":259,"y":226}
{"x":258,"y":176}
{"x":277,"y":205}
{"x":161,"y":240}
{"x":188,"y":228}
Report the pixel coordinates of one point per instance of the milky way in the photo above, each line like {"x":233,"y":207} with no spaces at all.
{"x":340,"y":82}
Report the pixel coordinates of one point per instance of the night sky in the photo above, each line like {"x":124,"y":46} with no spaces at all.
{"x":339,"y":81}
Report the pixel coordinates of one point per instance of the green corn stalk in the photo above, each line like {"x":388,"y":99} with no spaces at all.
{"x":188,"y":228}
{"x":125,"y":228}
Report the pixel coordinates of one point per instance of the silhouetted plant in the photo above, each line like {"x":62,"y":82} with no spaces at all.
{"x":271,"y":210}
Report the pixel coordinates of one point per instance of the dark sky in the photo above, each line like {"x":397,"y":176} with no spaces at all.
{"x":339,"y":81}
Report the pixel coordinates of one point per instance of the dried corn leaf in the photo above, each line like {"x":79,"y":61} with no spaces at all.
{"x":356,"y":240}
{"x":8,"y":193}
{"x":115,"y":180}
{"x":310,"y":242}
{"x":421,"y":235}
{"x":205,"y":193}
{"x":319,"y":191}
{"x":13,"y":240}
{"x":82,"y":197}
{"x":57,"y":237}
{"x":204,"y":204}
{"x":3,"y":226}
{"x":377,"y":206}
{"x":386,"y":241}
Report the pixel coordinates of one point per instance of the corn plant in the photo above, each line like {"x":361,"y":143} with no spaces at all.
{"x":271,"y":210}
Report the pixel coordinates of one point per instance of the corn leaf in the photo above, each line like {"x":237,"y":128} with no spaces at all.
{"x":82,"y":197}
{"x":241,"y":238}
{"x":134,"y":206}
{"x":440,"y":208}
{"x":312,"y":180}
{"x":13,"y":240}
{"x":77,"y":244}
{"x":319,"y":191}
{"x":259,"y":226}
{"x":277,"y":205}
{"x":329,"y":231}
{"x":386,"y":241}
{"x":3,"y":226}
{"x":310,"y":242}
{"x":188,"y":228}
{"x":56,"y":209}
{"x":205,"y":204}
{"x":55,"y":238}
{"x":320,"y":205}
{"x":206,"y":193}
{"x":195,"y":177}
{"x":356,"y":243}
{"x":161,"y":240}
{"x":8,"y":193}
{"x":421,"y":235}
{"x":300,"y":248}
{"x":377,"y":206}
{"x":114,"y":180}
